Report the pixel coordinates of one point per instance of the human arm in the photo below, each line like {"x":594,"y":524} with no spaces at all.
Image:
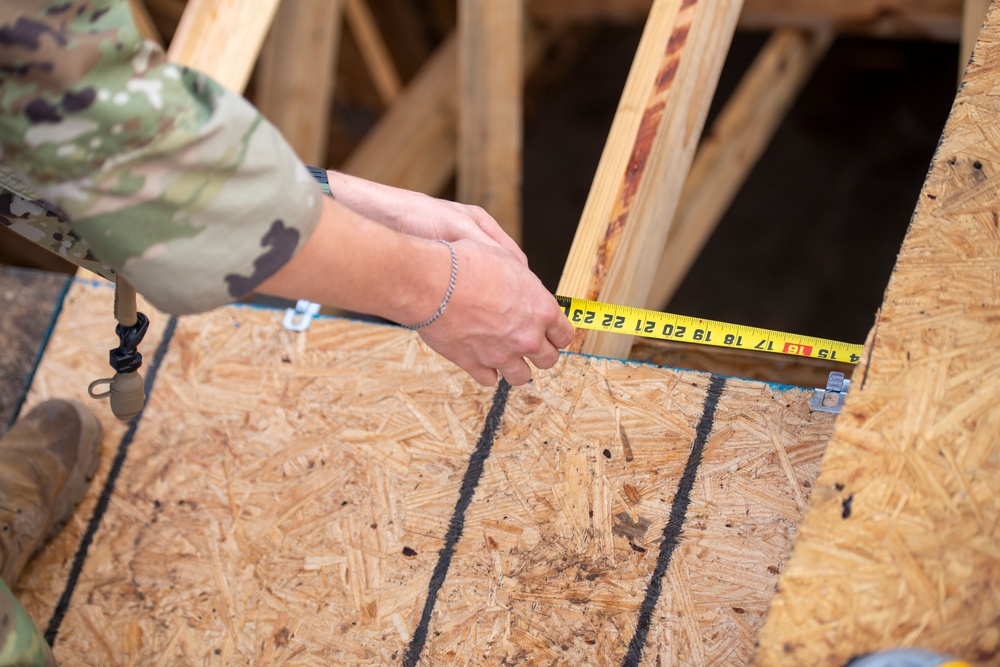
{"x":498,"y":315}
{"x":419,"y":214}
{"x":181,"y":186}
{"x":155,"y":171}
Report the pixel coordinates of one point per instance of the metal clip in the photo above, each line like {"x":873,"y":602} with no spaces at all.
{"x":299,"y":318}
{"x":831,"y":398}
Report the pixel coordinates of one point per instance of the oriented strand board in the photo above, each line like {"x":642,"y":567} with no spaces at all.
{"x":28,"y":301}
{"x":900,"y":546}
{"x":345,"y":496}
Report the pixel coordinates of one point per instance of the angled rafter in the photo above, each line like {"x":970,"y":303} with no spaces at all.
{"x":653,"y":138}
{"x":223,"y":38}
{"x":414,"y":143}
{"x":373,"y":49}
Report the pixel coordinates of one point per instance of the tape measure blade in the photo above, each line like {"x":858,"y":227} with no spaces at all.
{"x":630,"y":320}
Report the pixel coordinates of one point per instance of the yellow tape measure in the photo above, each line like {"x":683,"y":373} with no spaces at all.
{"x":598,"y":316}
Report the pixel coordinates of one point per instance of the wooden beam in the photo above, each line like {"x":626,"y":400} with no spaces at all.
{"x":929,"y":19}
{"x":222,"y":38}
{"x":653,"y":137}
{"x":490,"y":128}
{"x":413,"y":144}
{"x":144,"y":22}
{"x":729,"y":151}
{"x":296,"y":73}
{"x":899,"y":546}
{"x":973,"y":13}
{"x":373,"y":50}
{"x":403,"y":26}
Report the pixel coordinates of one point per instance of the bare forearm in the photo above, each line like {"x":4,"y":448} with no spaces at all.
{"x":418,"y":214}
{"x":353,"y":263}
{"x":498,"y":315}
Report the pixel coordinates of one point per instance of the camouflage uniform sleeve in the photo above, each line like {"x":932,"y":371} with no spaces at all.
{"x":122,"y":161}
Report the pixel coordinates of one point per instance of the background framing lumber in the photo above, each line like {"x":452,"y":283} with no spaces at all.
{"x":297,"y":71}
{"x":222,"y":38}
{"x":904,"y":19}
{"x":973,"y":14}
{"x":490,"y":108}
{"x":373,"y":49}
{"x":649,"y":150}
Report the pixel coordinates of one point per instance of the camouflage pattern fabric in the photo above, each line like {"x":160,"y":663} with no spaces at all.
{"x":21,"y":644}
{"x":120,"y":161}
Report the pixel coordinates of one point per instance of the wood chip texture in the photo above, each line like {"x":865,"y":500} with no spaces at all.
{"x":901,"y":546}
{"x":345,"y":496}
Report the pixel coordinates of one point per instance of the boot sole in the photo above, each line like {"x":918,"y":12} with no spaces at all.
{"x":88,"y":457}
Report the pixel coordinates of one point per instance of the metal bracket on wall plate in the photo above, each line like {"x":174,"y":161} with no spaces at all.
{"x":831,"y":398}
{"x":299,"y":317}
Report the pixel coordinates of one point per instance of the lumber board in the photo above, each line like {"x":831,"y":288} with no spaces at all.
{"x":144,"y":22}
{"x":297,"y":71}
{"x":900,"y":544}
{"x":222,"y":38}
{"x":373,"y":49}
{"x":906,"y":19}
{"x":415,"y":143}
{"x":973,"y":14}
{"x":490,"y":95}
{"x":730,"y":149}
{"x":653,"y":137}
{"x":289,"y":498}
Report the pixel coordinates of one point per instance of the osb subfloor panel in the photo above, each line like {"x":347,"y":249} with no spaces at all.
{"x":344,"y":496}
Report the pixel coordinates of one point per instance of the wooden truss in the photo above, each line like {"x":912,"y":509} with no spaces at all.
{"x":897,"y":545}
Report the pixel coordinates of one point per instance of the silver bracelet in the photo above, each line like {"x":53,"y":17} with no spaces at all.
{"x":447,"y":295}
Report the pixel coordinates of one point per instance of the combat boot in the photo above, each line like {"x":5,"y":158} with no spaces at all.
{"x":46,"y":460}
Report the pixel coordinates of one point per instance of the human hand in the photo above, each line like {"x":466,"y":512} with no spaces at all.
{"x":420,"y":215}
{"x":499,"y":317}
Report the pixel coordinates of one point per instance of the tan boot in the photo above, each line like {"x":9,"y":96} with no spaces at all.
{"x":46,"y":460}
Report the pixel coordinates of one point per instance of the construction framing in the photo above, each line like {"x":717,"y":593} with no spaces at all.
{"x":345,"y":495}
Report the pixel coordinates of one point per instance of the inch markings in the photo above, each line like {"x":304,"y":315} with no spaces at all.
{"x":597,"y":316}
